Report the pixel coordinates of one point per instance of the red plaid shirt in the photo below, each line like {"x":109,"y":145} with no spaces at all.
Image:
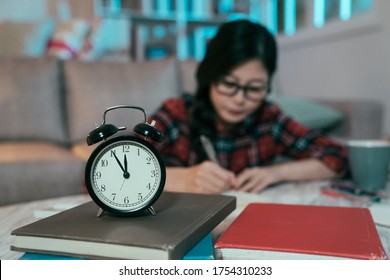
{"x":274,"y":134}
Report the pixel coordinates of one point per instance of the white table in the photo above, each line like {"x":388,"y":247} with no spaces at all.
{"x":307,"y":193}
{"x":17,"y":215}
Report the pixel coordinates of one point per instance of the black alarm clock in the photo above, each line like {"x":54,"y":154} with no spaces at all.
{"x":125,"y":175}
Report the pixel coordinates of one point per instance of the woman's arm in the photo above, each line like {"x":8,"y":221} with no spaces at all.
{"x":206,"y":177}
{"x":256,"y":179}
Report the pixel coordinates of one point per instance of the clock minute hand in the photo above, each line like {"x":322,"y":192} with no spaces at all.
{"x":120,"y":164}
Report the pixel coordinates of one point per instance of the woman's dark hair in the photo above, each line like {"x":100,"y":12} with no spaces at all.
{"x":235,"y":43}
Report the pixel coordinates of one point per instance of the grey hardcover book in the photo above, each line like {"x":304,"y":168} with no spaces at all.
{"x":182,"y":220}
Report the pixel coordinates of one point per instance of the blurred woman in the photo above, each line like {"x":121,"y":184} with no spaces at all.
{"x":246,"y":131}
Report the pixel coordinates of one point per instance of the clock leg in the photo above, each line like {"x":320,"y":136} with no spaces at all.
{"x":100,"y":213}
{"x":151,"y":210}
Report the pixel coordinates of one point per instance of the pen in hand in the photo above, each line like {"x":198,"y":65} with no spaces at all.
{"x":212,"y":155}
{"x":209,"y":148}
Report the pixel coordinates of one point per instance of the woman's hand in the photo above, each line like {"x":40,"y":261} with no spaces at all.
{"x":209,"y":177}
{"x":206,"y":177}
{"x":256,"y":179}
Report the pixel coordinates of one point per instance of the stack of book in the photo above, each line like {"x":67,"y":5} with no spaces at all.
{"x":203,"y":250}
{"x":182,"y":221}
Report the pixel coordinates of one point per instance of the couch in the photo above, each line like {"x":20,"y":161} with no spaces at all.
{"x":48,"y":107}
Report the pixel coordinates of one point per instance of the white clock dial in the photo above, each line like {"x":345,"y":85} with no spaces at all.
{"x":126,"y":175}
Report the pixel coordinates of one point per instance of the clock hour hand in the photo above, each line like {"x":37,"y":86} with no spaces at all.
{"x":125,"y":161}
{"x":126,"y":173}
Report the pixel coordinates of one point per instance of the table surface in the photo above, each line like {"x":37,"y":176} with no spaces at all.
{"x":306,"y":193}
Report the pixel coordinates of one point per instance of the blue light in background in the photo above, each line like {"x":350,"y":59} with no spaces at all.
{"x":163,"y":7}
{"x":290,"y":17}
{"x":345,"y":9}
{"x":115,"y":6}
{"x":272,"y":16}
{"x":319,"y":13}
{"x":225,"y":6}
{"x":182,"y":15}
{"x":201,"y":36}
{"x":159,"y":31}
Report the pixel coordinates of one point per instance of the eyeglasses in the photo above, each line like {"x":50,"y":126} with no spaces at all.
{"x":253,"y":91}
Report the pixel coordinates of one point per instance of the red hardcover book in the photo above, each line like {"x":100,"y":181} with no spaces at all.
{"x":285,"y":231}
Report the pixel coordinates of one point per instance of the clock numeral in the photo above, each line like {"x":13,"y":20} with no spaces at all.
{"x":138,"y":152}
{"x":126,"y":200}
{"x":126,"y":148}
{"x":104,"y":162}
{"x":148,"y":186}
{"x":148,"y":160}
{"x":103,"y":188}
{"x":98,"y":175}
{"x":153,"y":173}
{"x":113,"y":153}
{"x":140,"y":197}
{"x":113,"y":196}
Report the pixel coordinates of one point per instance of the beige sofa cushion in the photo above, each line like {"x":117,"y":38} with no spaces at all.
{"x":94,"y":86}
{"x":36,"y":170}
{"x":30,"y":101}
{"x":187,"y":75}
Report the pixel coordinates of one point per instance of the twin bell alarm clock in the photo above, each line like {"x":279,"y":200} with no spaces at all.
{"x":125,"y":174}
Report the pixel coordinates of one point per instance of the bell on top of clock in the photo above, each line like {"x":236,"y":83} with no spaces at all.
{"x":106,"y":130}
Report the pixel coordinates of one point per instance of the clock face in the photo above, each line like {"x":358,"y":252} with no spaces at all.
{"x":125,"y":175}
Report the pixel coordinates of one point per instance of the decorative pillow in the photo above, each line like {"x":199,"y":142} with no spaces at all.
{"x":312,"y":114}
{"x":25,"y":38}
{"x":30,"y":100}
{"x":95,"y":86}
{"x":69,"y":38}
{"x":94,"y":43}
